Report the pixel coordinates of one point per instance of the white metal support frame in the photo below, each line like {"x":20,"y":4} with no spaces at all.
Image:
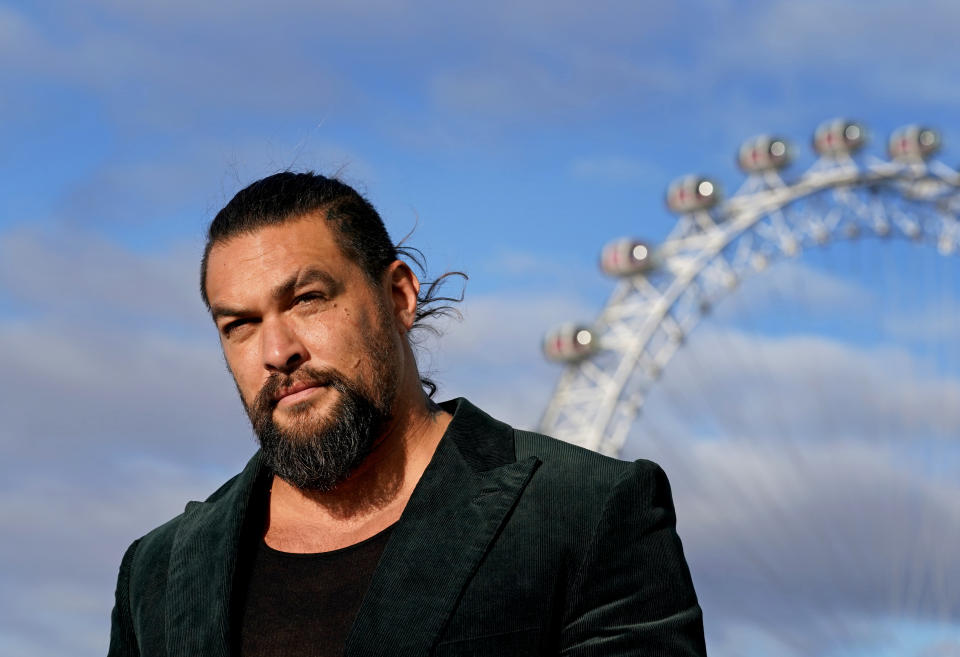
{"x":611,"y":365}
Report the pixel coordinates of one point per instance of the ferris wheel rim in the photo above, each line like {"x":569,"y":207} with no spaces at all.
{"x":741,"y":213}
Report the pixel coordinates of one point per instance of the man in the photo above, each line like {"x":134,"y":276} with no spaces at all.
{"x":373,"y":521}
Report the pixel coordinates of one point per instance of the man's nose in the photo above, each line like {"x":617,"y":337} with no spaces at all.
{"x":282,"y":349}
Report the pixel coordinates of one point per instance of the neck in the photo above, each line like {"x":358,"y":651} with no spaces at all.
{"x":370,"y":499}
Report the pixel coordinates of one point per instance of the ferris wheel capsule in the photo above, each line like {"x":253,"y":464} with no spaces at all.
{"x":569,"y":343}
{"x":913,"y":142}
{"x":692,"y":193}
{"x":626,"y":257}
{"x":764,"y":153}
{"x":839,"y":137}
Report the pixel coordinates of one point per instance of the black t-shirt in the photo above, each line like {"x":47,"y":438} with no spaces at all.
{"x":305,"y":604}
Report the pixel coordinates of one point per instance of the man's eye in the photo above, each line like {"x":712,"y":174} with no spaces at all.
{"x":307,"y":297}
{"x":230,"y":327}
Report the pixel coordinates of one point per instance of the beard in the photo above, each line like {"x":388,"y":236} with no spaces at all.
{"x":318,"y":454}
{"x":314,"y":453}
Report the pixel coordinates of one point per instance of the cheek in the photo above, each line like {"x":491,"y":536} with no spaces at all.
{"x":247,"y":372}
{"x":338,"y":341}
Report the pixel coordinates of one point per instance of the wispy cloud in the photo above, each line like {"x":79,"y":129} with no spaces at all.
{"x":815,"y":484}
{"x":616,"y":169}
{"x":936,"y":322}
{"x":493,"y":356}
{"x":85,"y":276}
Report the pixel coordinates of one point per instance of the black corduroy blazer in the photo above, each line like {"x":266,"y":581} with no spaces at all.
{"x":511,"y":544}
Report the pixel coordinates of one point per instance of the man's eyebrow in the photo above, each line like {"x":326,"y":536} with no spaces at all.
{"x":305,"y":276}
{"x":223,"y":311}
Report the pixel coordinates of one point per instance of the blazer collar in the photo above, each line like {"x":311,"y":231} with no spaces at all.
{"x":449,"y":523}
{"x":463,"y":498}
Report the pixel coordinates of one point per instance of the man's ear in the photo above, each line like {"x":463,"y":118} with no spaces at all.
{"x":404,"y":288}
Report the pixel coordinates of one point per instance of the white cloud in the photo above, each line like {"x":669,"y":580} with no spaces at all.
{"x":940,"y":321}
{"x":524,"y":87}
{"x":556,"y":274}
{"x":58,"y":600}
{"x":512,"y":65}
{"x":616,"y":169}
{"x":889,"y":52}
{"x":817,"y":550}
{"x":16,"y":32}
{"x":815,"y":290}
{"x":815,"y":388}
{"x":174,"y":77}
{"x":945,"y":648}
{"x":173,"y":67}
{"x":493,"y":356}
{"x":816,"y":487}
{"x":154,"y":393}
{"x":844,"y":32}
{"x":117,"y":409}
{"x":198,"y":179}
{"x":78,"y":275}
{"x":120,"y":346}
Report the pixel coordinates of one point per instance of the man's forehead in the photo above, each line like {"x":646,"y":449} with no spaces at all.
{"x":310,"y":236}
{"x":275,"y":253}
{"x":311,"y":231}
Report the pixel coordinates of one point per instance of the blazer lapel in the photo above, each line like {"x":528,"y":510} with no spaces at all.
{"x":448,"y":525}
{"x":203,"y":560}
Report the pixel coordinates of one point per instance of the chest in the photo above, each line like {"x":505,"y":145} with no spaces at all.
{"x":305,"y":604}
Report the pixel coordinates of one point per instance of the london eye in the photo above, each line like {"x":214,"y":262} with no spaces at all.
{"x":813,"y":534}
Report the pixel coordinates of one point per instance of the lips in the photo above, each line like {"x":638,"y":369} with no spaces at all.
{"x":296,"y":391}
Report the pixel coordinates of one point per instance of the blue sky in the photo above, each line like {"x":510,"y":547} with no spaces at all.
{"x":517,"y":138}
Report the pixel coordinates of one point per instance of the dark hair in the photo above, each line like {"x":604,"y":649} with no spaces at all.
{"x":358,"y":230}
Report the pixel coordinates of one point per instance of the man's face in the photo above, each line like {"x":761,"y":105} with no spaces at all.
{"x":313,"y":347}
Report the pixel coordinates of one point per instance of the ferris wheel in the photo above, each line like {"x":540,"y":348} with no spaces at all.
{"x":847,"y":568}
{"x":664,"y":290}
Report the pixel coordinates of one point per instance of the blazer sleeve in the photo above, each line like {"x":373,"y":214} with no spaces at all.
{"x":632,"y":594}
{"x":123,"y":639}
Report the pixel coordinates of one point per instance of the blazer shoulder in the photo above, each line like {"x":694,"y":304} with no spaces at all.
{"x":575,"y":468}
{"x":566,"y":458}
{"x":155,"y":545}
{"x":589,"y":495}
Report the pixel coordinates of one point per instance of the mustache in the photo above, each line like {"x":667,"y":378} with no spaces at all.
{"x":266,"y":399}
